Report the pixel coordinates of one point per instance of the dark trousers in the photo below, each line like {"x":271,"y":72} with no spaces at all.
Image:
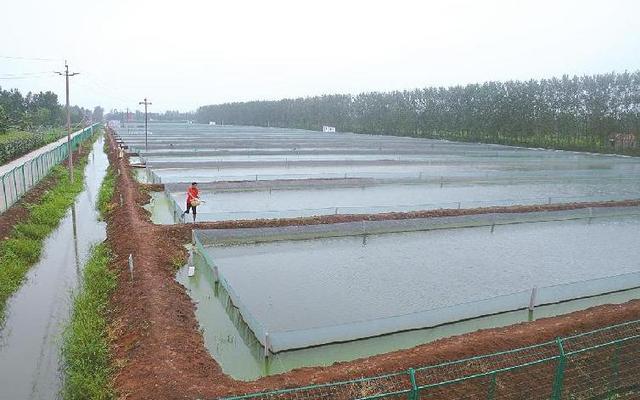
{"x":190,"y":207}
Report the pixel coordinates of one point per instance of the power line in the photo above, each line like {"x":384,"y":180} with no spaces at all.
{"x":25,"y":77}
{"x":29,"y":58}
{"x":21,"y":74}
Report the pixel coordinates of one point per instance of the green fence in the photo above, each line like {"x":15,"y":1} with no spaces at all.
{"x":601,"y":364}
{"x":17,"y":181}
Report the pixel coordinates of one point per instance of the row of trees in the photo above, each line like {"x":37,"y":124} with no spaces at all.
{"x":26,"y":112}
{"x":568,"y":112}
{"x":138,"y":116}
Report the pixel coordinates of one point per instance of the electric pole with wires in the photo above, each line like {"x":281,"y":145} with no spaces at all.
{"x":66,"y":74}
{"x":146,"y":103}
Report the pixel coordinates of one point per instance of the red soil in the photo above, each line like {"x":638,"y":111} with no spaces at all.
{"x":19,"y":211}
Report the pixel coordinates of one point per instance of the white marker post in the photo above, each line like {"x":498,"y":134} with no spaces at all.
{"x":131,"y":266}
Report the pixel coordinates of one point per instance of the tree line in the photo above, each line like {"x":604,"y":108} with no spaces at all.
{"x":579,"y":112}
{"x":26,"y":112}
{"x":138,"y":116}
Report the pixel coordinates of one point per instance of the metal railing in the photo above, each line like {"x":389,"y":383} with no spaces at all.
{"x":600,"y":364}
{"x":16,"y":182}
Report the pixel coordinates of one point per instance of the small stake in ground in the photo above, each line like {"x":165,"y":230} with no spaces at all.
{"x":192,"y":267}
{"x":267,"y":345}
{"x":532,"y":302}
{"x":131,"y":266}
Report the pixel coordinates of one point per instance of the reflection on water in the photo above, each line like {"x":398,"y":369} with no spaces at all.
{"x":37,"y":312}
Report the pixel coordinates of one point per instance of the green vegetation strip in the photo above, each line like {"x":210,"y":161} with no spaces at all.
{"x":87,"y":367}
{"x":85,"y":349}
{"x":106,"y":193}
{"x":22,"y":248}
{"x":14,"y":144}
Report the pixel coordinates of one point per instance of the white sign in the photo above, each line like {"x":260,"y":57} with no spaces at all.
{"x":329,"y":129}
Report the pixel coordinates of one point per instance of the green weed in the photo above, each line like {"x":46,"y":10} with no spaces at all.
{"x":105,"y":196}
{"x":177,"y":261}
{"x":23,"y":246}
{"x":14,"y":144}
{"x":85,"y":349}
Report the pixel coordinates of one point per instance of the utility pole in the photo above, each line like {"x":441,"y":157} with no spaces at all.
{"x":146,"y":103}
{"x":66,"y":74}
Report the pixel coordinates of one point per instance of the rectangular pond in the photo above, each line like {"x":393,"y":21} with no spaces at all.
{"x":232,"y":344}
{"x":301,"y":293}
{"x":192,"y":152}
{"x":326,"y":199}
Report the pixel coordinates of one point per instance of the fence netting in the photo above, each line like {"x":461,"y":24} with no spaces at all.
{"x":600,"y":364}
{"x":21,"y":178}
{"x":218,"y":237}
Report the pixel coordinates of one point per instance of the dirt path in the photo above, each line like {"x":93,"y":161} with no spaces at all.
{"x":160,"y":353}
{"x":18,"y":212}
{"x":185,"y":229}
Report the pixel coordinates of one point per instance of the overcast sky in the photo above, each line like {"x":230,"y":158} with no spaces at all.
{"x":183,"y":54}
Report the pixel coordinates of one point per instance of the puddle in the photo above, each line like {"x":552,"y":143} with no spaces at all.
{"x":161,"y":208}
{"x":30,"y":341}
{"x":140,"y":174}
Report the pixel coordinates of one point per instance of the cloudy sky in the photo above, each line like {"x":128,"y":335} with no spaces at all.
{"x":183,"y":54}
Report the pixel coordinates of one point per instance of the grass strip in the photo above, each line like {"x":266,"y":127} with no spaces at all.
{"x":105,"y":196}
{"x":85,"y":348}
{"x":22,"y":248}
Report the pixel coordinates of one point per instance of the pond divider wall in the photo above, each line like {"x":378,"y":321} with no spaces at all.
{"x":272,"y":182}
{"x":275,"y":342}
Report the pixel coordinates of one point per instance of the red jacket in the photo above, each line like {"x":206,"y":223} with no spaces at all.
{"x":192,"y":193}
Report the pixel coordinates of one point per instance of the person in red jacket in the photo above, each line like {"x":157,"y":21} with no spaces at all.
{"x":193,"y":199}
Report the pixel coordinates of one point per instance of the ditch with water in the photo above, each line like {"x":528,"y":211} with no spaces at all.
{"x":31,"y":336}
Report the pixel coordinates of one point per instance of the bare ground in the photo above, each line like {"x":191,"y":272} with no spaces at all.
{"x":19,"y":211}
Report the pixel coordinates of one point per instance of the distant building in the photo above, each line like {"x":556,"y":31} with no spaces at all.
{"x":113,"y":123}
{"x":622,"y":141}
{"x":329,"y":129}
{"x":212,"y":122}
